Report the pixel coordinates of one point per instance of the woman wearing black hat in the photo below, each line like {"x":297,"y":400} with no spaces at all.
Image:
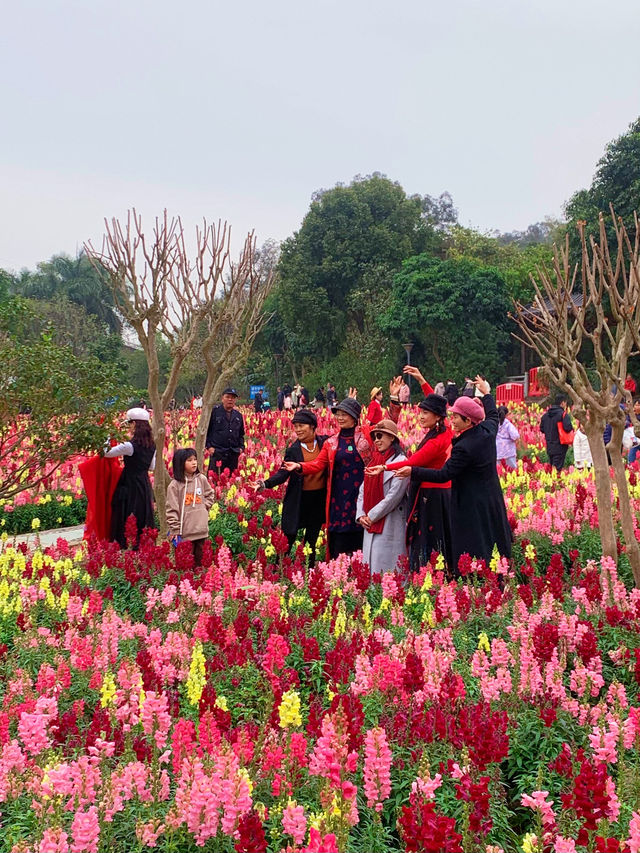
{"x":303,"y":506}
{"x":428,"y":527}
{"x":343,"y":457}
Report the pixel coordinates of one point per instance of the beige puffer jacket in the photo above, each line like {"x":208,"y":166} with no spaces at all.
{"x":188,"y":506}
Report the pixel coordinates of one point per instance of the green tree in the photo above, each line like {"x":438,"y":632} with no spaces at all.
{"x":75,"y":279}
{"x":516,"y":260}
{"x":616,"y":181}
{"x":347,"y":231}
{"x":457,"y":311}
{"x":53,"y":404}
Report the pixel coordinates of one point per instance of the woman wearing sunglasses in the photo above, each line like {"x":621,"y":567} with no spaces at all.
{"x":343,"y":457}
{"x":382,"y":504}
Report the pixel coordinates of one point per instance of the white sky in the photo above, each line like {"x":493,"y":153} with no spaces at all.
{"x":242,"y":110}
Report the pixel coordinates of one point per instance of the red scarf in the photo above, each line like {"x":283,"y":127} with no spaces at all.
{"x":374,"y":489}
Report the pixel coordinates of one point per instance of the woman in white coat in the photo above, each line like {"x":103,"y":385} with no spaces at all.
{"x":382,"y":504}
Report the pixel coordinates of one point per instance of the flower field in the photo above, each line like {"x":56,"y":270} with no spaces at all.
{"x":254,"y":705}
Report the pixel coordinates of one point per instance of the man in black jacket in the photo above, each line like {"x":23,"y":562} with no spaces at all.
{"x":549,"y":426}
{"x":225,"y":435}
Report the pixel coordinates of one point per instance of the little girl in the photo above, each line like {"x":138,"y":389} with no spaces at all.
{"x":189,"y":498}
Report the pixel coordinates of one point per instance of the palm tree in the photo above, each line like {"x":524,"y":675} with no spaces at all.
{"x":77,"y":280}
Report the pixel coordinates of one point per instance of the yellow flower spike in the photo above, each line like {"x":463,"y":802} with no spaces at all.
{"x":341,"y":620}
{"x":197,"y":674}
{"x":244,"y":774}
{"x":483,"y":642}
{"x":427,"y":583}
{"x":530,"y":843}
{"x":289,"y":710}
{"x":107,"y":690}
{"x":221,"y":703}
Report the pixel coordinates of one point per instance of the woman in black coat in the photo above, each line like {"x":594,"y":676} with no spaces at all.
{"x":133,"y":494}
{"x":303,"y":506}
{"x":478,"y":514}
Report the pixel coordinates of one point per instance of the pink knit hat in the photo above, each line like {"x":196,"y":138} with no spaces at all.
{"x":469,"y":408}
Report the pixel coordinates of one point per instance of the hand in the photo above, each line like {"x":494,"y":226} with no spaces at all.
{"x":410,"y":370}
{"x":353,"y":393}
{"x":482,"y":385}
{"x":374,"y":470}
{"x":292,"y":467}
{"x":176,"y":540}
{"x":395,"y":385}
{"x":403,"y":473}
{"x":365,"y":521}
{"x":257,"y":487}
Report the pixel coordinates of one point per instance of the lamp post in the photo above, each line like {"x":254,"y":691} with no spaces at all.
{"x":276,"y":357}
{"x":407,"y":348}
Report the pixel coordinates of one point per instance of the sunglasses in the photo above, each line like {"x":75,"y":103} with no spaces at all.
{"x":377,"y":435}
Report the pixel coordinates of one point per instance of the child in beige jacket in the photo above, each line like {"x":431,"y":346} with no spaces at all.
{"x":189,"y":499}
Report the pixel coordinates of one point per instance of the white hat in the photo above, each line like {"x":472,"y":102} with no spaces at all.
{"x":138,"y":414}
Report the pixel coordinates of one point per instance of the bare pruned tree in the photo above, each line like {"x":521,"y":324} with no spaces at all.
{"x":165,"y":292}
{"x":233,"y":325}
{"x":597,"y":302}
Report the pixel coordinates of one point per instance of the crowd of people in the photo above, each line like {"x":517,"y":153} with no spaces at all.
{"x":358,"y":482}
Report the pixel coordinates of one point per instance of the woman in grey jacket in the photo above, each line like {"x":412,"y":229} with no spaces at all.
{"x":382,"y":504}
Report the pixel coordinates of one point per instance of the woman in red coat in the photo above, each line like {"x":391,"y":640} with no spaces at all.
{"x":374,"y":412}
{"x":344,"y":457}
{"x":428,"y":526}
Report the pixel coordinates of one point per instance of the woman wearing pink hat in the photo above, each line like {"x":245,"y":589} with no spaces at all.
{"x":478,"y":514}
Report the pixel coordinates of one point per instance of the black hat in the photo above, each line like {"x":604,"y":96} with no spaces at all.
{"x":231,"y":391}
{"x":350,"y":406}
{"x":434,"y":403}
{"x":304,"y":416}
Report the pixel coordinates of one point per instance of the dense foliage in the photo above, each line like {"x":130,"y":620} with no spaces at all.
{"x":457,"y":310}
{"x":53,"y":404}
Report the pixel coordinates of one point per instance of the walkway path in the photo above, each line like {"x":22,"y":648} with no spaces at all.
{"x":73,"y":535}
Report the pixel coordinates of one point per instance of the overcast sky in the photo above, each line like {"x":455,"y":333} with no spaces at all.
{"x":242,"y":110}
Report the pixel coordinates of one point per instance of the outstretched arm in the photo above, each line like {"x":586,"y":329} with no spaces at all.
{"x":411,"y":370}
{"x":455,"y":465}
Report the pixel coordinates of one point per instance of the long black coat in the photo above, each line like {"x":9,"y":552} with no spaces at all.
{"x":478,"y":514}
{"x":549,"y":426}
{"x":290,"y":522}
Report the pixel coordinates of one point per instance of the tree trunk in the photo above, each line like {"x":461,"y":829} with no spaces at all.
{"x":624,"y":501}
{"x":160,"y":475}
{"x":594,"y":429}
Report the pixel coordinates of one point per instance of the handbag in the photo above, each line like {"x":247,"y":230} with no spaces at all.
{"x":564,"y":436}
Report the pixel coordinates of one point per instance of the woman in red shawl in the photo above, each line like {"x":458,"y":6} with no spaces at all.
{"x":428,"y":526}
{"x":382,"y":503}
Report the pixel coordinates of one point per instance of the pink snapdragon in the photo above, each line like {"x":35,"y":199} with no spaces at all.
{"x":156,"y":721}
{"x":377,"y":768}
{"x":54,"y":841}
{"x":426,"y":786}
{"x":294,"y":822}
{"x":633,"y":840}
{"x":538,"y":801}
{"x":85,"y":830}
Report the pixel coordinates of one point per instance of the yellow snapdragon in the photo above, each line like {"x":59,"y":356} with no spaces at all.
{"x":197,"y":674}
{"x":289,"y":710}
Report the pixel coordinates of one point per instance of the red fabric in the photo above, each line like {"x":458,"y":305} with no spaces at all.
{"x":433,"y":454}
{"x":630,"y":385}
{"x":325,"y":460}
{"x":374,"y":488}
{"x":374,"y":412}
{"x":100,"y":477}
